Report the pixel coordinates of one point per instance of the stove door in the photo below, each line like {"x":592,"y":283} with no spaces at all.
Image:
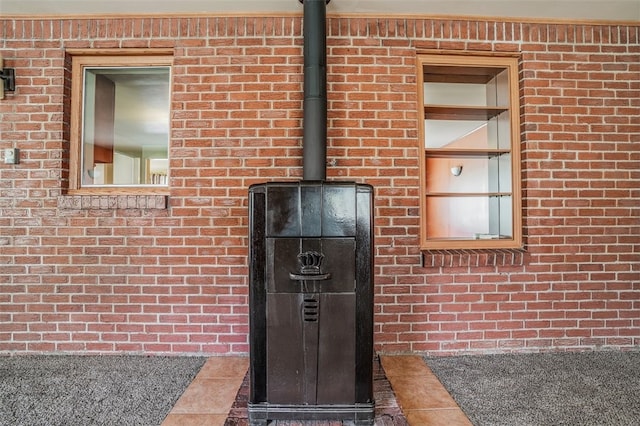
{"x":311,"y":331}
{"x":311,"y":351}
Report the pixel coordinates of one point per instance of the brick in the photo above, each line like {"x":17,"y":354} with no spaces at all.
{"x":167,"y":274}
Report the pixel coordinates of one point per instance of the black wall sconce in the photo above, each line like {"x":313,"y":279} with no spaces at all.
{"x":8,"y":77}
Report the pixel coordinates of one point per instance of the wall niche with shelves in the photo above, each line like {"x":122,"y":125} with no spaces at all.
{"x":470,"y":170}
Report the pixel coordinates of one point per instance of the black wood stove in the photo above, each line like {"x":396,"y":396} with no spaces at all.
{"x":311,"y":276}
{"x":311,"y":302}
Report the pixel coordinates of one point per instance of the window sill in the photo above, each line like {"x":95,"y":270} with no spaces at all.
{"x":113,"y":202}
{"x":473,"y":258}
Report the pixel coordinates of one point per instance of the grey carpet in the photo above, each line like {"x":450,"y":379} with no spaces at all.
{"x":92,"y":390}
{"x":595,"y":388}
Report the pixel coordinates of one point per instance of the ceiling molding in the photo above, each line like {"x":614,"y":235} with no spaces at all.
{"x":572,"y":10}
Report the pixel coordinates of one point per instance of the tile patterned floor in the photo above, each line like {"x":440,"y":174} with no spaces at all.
{"x":405,"y":390}
{"x":420,"y":394}
{"x":209,"y":397}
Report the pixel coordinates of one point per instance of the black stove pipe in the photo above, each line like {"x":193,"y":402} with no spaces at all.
{"x":314,"y":143}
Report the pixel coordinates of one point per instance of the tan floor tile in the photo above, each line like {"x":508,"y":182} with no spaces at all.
{"x":181,"y":420}
{"x":194,"y":420}
{"x":208,"y":396}
{"x":404,"y":365}
{"x":415,"y":392}
{"x":221,"y":367}
{"x":438,"y":417}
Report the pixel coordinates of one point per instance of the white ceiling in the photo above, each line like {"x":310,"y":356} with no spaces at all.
{"x":590,"y":10}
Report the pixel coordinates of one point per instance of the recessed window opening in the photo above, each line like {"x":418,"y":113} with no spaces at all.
{"x":120,"y":122}
{"x":470,"y":139}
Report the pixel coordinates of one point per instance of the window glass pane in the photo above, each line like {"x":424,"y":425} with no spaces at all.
{"x":469,"y":174}
{"x":457,"y":134}
{"x":501,"y":131}
{"x":457,"y":217}
{"x":500,"y":169}
{"x":455,"y":94}
{"x":469,"y":217}
{"x":125,"y":126}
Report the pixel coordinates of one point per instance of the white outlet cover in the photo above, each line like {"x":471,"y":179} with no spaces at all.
{"x":11,"y":156}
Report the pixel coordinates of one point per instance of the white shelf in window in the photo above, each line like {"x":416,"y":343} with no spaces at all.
{"x":469,"y":153}
{"x":457,"y":112}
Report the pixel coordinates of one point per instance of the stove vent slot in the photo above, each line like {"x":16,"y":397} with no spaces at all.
{"x":310,"y":309}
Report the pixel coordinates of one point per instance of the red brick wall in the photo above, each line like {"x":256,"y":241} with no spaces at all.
{"x":99,"y":275}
